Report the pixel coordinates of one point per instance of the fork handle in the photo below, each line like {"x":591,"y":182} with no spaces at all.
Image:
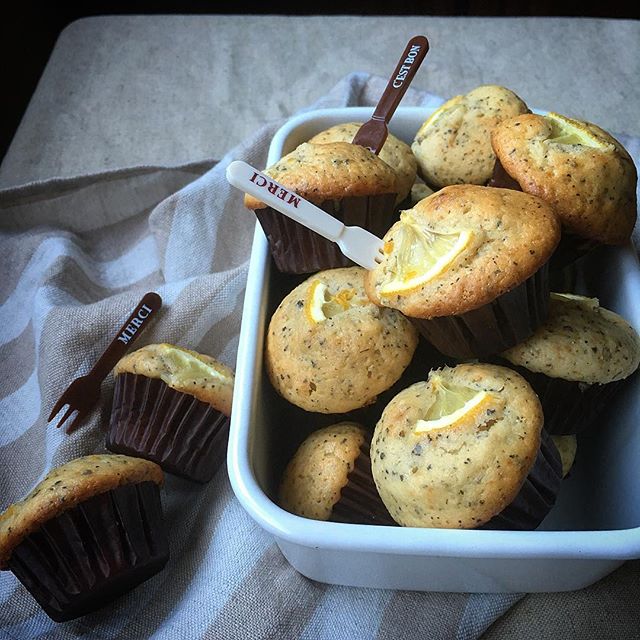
{"x":127,"y":335}
{"x":399,"y":82}
{"x":267,"y":190}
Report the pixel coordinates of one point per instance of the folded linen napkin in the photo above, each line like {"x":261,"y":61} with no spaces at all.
{"x":77,"y":254}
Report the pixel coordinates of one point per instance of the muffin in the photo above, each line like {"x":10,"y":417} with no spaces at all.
{"x":576,"y":361}
{"x":329,"y":478}
{"x":567,"y":447}
{"x":330,"y":350}
{"x":345,"y":180}
{"x":454,"y":145}
{"x":89,"y":532}
{"x":396,"y":153}
{"x":172,"y":405}
{"x":468,"y":266}
{"x":584,"y":173}
{"x":463,"y":450}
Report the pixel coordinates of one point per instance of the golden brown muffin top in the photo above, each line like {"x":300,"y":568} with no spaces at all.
{"x":339,"y":359}
{"x":583,"y":172}
{"x":511,"y":235}
{"x":196,"y":374}
{"x":461,"y":474}
{"x":64,"y":488}
{"x":453,"y":146}
{"x":320,"y":468}
{"x":396,"y":153}
{"x":331,"y":171}
{"x":580,"y":341}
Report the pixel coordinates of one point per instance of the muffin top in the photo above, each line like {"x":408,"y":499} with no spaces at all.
{"x":64,"y":488}
{"x":567,"y":447}
{"x":461,"y":248}
{"x":330,"y":350}
{"x":580,"y":341}
{"x":454,"y":145}
{"x":331,"y":171}
{"x":313,"y":479}
{"x":584,"y":173}
{"x":396,"y":153}
{"x":196,"y":374}
{"x":454,"y":451}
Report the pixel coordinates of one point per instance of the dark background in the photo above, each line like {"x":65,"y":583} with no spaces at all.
{"x":28,"y":29}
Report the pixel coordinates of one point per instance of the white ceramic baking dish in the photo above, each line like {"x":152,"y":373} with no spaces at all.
{"x":593,"y":528}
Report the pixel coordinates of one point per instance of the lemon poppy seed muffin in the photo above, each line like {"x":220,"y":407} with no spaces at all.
{"x":330,"y":350}
{"x":454,"y":145}
{"x":329,"y":478}
{"x":582,"y":171}
{"x":172,"y":405}
{"x":395,"y":152}
{"x":463,"y":449}
{"x":576,"y":360}
{"x":348,"y":181}
{"x":91,"y":530}
{"x":468,"y":266}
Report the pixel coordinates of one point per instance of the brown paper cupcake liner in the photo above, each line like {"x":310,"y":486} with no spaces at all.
{"x":94,"y":552}
{"x":297,"y":249}
{"x":569,"y":407}
{"x":494,"y":327}
{"x":538,"y":493}
{"x":151,"y":420}
{"x":359,"y":501}
{"x":569,"y":250}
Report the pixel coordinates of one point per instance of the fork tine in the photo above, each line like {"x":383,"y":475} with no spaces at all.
{"x":56,"y":407}
{"x":76,"y":421}
{"x":67,"y":413}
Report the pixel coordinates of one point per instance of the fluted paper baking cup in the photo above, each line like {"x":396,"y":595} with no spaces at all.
{"x":537,"y":494}
{"x":569,"y":407}
{"x":94,"y":552}
{"x":359,"y":501}
{"x":297,"y":249}
{"x":494,"y":327}
{"x":149,"y":419}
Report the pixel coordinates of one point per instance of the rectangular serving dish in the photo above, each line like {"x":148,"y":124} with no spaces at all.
{"x":593,"y":528}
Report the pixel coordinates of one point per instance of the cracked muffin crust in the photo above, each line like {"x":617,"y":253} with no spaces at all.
{"x":454,"y":145}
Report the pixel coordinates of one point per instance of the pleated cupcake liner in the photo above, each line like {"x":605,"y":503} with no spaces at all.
{"x":94,"y":552}
{"x":297,"y":249}
{"x":494,"y":327}
{"x":149,"y":419}
{"x":537,"y":494}
{"x":359,"y":501}
{"x":569,"y":407}
{"x":569,"y":250}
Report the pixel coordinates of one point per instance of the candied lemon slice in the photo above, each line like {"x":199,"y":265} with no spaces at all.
{"x":568,"y":131}
{"x":441,"y":110}
{"x":414,"y":255}
{"x":321,"y":304}
{"x":455,"y":405}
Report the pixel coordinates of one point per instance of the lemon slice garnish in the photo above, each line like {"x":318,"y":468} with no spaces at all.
{"x":321,"y":304}
{"x":456,"y":405}
{"x":441,"y":110}
{"x":414,"y":255}
{"x":568,"y":131}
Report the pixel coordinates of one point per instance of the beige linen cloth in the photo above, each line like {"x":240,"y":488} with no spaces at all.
{"x":77,"y":255}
